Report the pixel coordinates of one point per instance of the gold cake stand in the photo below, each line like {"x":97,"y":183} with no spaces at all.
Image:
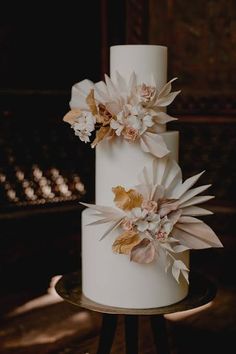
{"x":201,"y":291}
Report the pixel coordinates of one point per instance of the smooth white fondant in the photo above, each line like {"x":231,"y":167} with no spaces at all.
{"x":144,"y":60}
{"x":119,"y":162}
{"x":109,"y":278}
{"x":113,"y":280}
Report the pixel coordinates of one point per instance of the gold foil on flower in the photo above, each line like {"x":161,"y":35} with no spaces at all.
{"x":125,"y":242}
{"x":127,"y":200}
{"x":100,"y":135}
{"x":90,"y":100}
{"x":71,"y":116}
{"x":104,"y":116}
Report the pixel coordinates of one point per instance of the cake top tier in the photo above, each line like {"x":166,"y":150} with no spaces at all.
{"x":144,"y":60}
{"x":131,"y":105}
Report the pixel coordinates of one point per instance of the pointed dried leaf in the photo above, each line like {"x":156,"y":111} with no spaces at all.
{"x":163,"y":118}
{"x":202,"y":231}
{"x":167,"y":88}
{"x":174,"y":216}
{"x":166,"y":100}
{"x":166,"y":206}
{"x":177,"y":268}
{"x":195,"y":211}
{"x":188,"y":183}
{"x":188,"y":220}
{"x":132,"y":83}
{"x":113,"y":92}
{"x":179,"y":248}
{"x":192,"y":192}
{"x":111,"y":228}
{"x":197,"y":200}
{"x":100,"y":135}
{"x":121,"y":83}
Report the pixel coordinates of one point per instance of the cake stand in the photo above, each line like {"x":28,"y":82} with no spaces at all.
{"x":201,"y":291}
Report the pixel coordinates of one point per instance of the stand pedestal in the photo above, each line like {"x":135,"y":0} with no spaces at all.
{"x":201,"y":291}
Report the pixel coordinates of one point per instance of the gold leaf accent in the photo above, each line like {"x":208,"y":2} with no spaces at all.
{"x":104,"y":116}
{"x":91,"y":102}
{"x":127,"y":200}
{"x":100,"y":135}
{"x":125,"y":242}
{"x":71,"y":115}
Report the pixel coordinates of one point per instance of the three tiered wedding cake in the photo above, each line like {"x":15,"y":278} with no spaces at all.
{"x":136,"y":238}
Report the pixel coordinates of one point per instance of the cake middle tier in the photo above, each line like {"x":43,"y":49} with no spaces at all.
{"x":119,"y":162}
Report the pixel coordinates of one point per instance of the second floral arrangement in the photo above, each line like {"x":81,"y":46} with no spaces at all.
{"x":157,"y":218}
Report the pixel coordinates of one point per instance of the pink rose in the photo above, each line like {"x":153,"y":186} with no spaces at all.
{"x":130,"y":133}
{"x":150,"y":206}
{"x":127,"y":225}
{"x":162,"y":236}
{"x":146,"y":93}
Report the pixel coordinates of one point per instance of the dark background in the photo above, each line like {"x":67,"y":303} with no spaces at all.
{"x":44,"y":50}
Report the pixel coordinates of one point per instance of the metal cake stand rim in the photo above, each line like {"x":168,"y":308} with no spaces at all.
{"x":201,"y":291}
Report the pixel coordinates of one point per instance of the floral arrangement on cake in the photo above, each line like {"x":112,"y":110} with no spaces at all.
{"x":157,"y":218}
{"x":115,"y":108}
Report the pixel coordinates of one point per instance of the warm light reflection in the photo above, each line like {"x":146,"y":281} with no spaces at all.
{"x":48,"y":299}
{"x":51,"y":333}
{"x":45,"y":328}
{"x":179,"y":316}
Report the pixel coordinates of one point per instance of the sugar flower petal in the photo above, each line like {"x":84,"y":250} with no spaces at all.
{"x":127,"y":200}
{"x":143,"y":252}
{"x":125,"y":242}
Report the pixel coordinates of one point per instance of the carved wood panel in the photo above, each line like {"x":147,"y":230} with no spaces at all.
{"x":201,"y":38}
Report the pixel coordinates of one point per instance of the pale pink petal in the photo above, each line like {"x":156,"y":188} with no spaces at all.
{"x":144,"y":252}
{"x":154,"y":144}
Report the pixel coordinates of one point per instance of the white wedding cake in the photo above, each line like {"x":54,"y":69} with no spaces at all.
{"x":136,"y":238}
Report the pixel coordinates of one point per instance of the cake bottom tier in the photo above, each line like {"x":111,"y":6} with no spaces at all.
{"x":113,"y":280}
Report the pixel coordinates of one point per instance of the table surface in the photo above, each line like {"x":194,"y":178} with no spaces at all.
{"x":201,"y":291}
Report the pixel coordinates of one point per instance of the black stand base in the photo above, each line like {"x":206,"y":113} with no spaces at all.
{"x":109,"y":325}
